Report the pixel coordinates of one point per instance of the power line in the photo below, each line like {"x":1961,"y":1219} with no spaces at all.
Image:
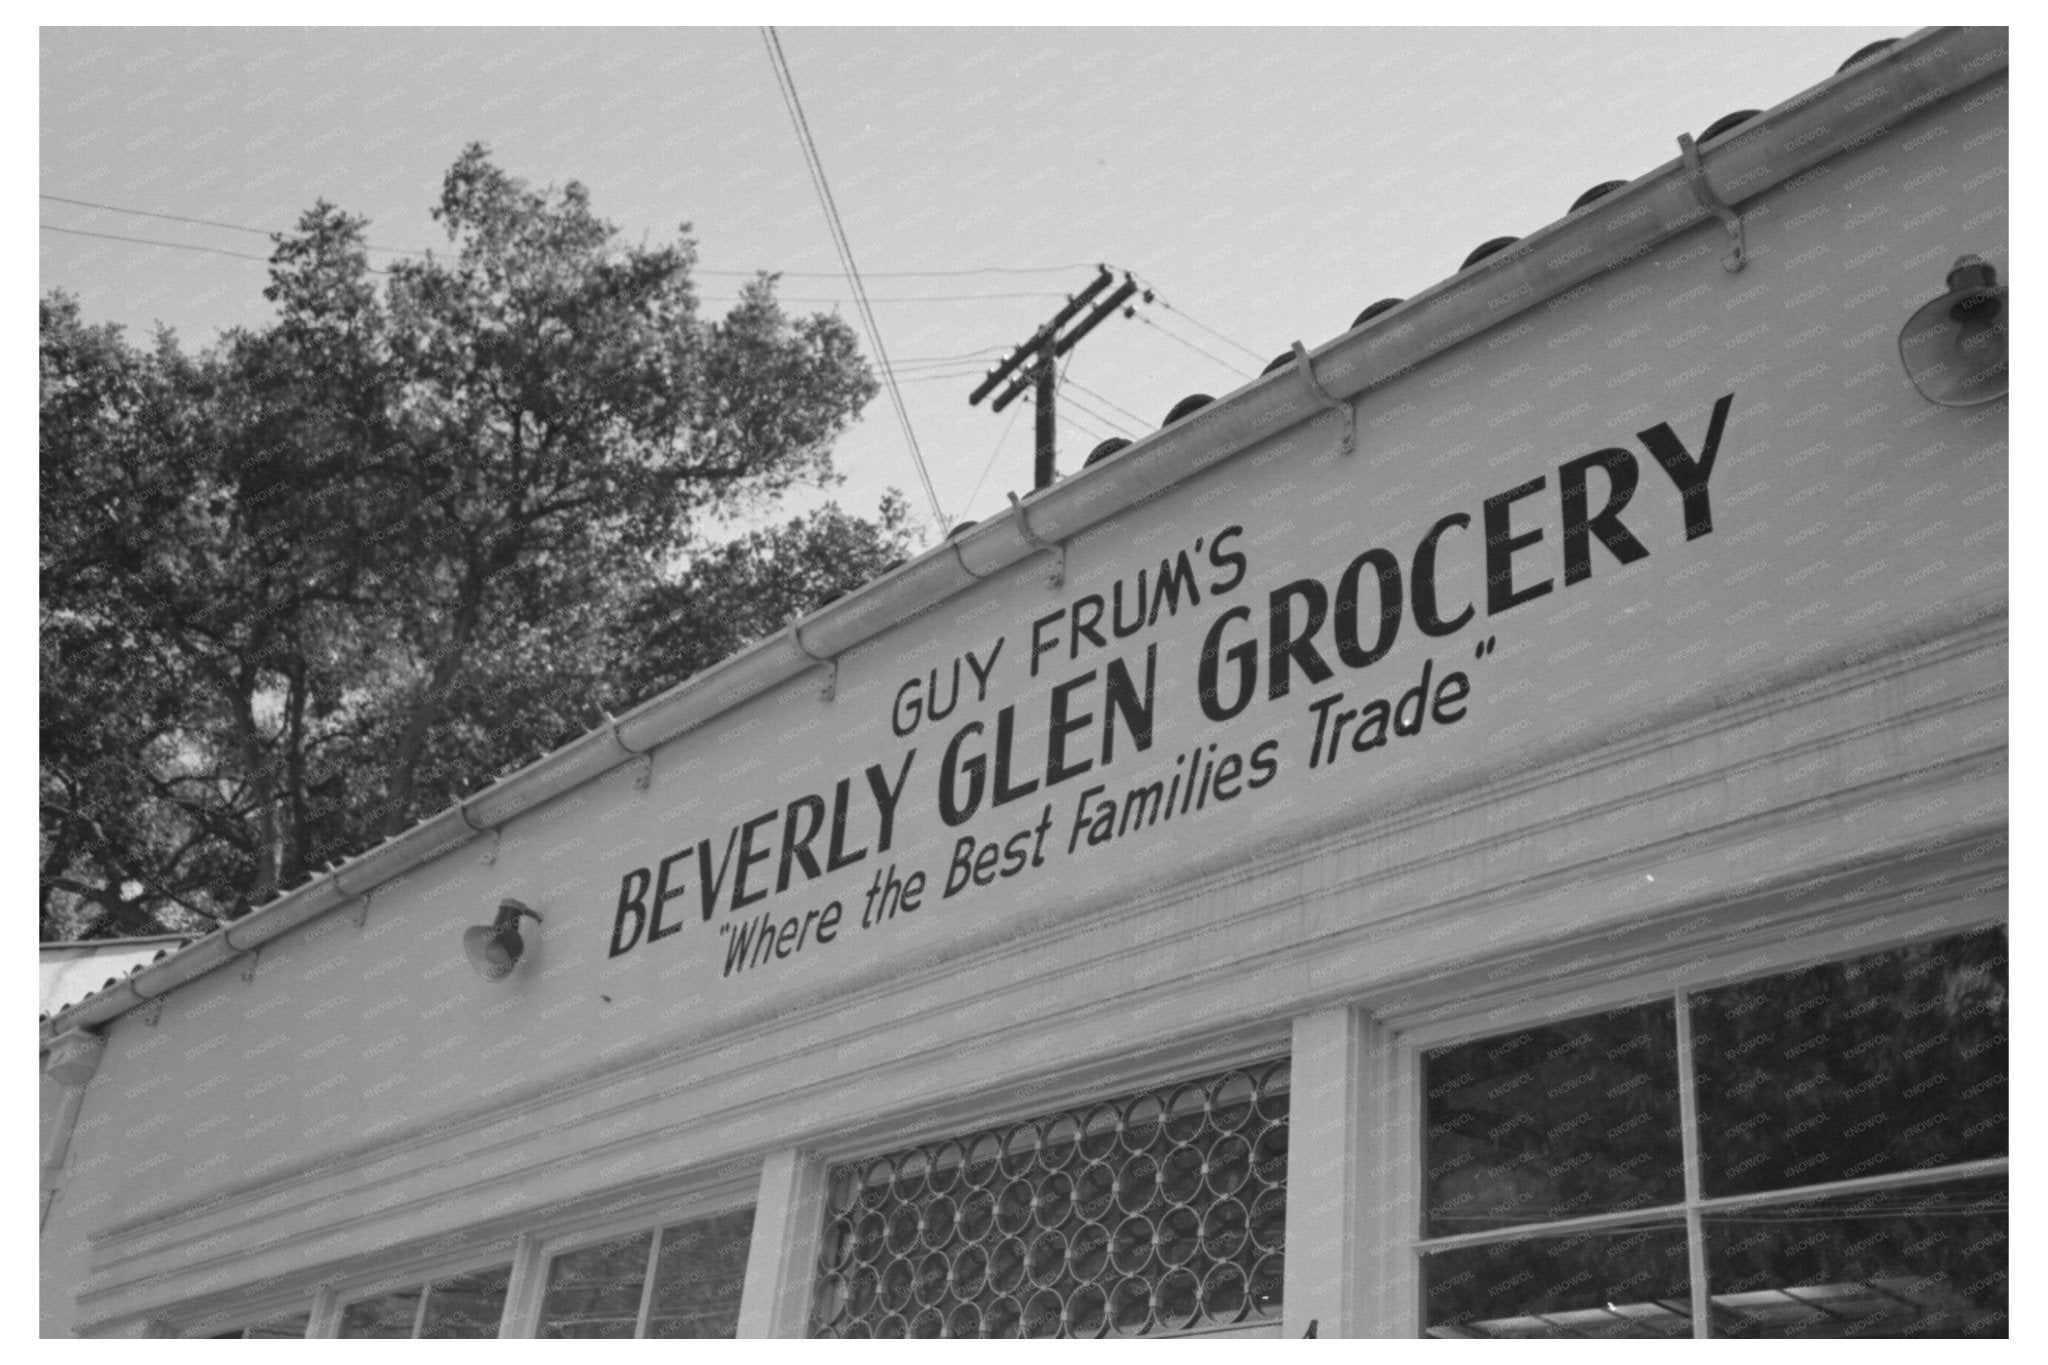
{"x":933,"y":366}
{"x":151,"y":241}
{"x":245,"y":256}
{"x":177,"y":246}
{"x":1115,"y":426}
{"x":953,"y":363}
{"x":1062,"y":415}
{"x":735,"y":274}
{"x":947,"y":375}
{"x":964,"y":355}
{"x":1007,"y":429}
{"x":1192,"y":347}
{"x":787,"y":82}
{"x":146,"y":213}
{"x":930,"y":298}
{"x":911,"y":274}
{"x":1107,"y":402}
{"x":1066,"y":365}
{"x":203,"y":222}
{"x":1161,"y":297}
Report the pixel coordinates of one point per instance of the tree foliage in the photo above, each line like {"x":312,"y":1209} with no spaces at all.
{"x":311,"y":584}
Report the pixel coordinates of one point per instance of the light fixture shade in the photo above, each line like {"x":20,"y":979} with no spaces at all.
{"x":1954,"y":348}
{"x":494,"y":949}
{"x":74,"y":1057}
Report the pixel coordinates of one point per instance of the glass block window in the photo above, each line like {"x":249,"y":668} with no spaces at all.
{"x":1154,"y":1214}
{"x":466,"y":1305}
{"x":1819,"y":1153}
{"x":680,"y":1281}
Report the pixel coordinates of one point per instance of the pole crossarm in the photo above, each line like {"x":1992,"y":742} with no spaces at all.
{"x":1045,"y":346}
{"x":1066,"y":343}
{"x":1102,"y":281}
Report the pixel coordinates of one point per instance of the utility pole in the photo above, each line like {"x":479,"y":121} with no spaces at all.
{"x":1044,"y":347}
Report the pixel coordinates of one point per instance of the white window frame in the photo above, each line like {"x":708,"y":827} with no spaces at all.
{"x":528,"y":1295}
{"x":1392,"y":1104}
{"x":197,"y":1329}
{"x":336,"y":1299}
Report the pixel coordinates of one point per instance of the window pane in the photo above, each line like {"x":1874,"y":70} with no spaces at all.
{"x":1617,"y":1282}
{"x":387,"y":1315}
{"x":1889,"y":1063}
{"x":1153,"y":1213}
{"x":1557,"y":1121}
{"x":595,"y":1291}
{"x":698,"y":1277}
{"x":290,"y":1325}
{"x":286,"y":1325}
{"x":467,"y":1305}
{"x":1925,"y":1262}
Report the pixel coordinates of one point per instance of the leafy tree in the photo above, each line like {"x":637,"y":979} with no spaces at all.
{"x":315,"y":582}
{"x":752,"y":587}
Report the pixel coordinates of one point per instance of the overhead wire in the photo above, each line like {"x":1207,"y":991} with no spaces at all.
{"x":151,"y":241}
{"x":964,"y":355}
{"x":912,"y":298}
{"x":1192,"y":347}
{"x":736,"y":274}
{"x":1159,"y":296}
{"x":787,"y":82}
{"x":1104,"y":400}
{"x":1059,"y":410}
{"x":203,"y":222}
{"x":1062,"y":415}
{"x":1116,"y":427}
{"x":950,"y":376}
{"x":739,"y":274}
{"x":935,"y":367}
{"x":1007,"y":429}
{"x":912,"y":274}
{"x":1060,"y":382}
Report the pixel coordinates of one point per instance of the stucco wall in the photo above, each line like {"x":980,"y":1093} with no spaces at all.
{"x":363,"y":1088}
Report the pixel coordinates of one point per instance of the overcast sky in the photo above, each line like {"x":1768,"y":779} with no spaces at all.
{"x":1269,"y":183}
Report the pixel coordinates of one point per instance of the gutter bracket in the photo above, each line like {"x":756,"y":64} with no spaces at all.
{"x":831,"y":687}
{"x":227,"y":936}
{"x":497,"y":834}
{"x":645,"y":758}
{"x":1055,"y":577}
{"x":1689,"y":152}
{"x":152,"y":1010}
{"x":1327,"y":399}
{"x":361,"y":898}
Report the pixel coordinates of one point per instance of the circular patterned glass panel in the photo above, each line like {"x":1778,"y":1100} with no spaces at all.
{"x":1231,"y":1101}
{"x":1087,"y":1312}
{"x":1139,"y":1215}
{"x":1095,"y":1190}
{"x":948,"y":1160}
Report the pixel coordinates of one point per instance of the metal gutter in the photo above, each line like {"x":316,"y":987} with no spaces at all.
{"x":1840,"y":114}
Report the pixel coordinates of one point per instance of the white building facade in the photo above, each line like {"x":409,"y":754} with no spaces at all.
{"x":1498,"y":828}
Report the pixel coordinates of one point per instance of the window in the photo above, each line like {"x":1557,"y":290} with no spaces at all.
{"x":467,"y":1305}
{"x":683,"y":1282}
{"x":1818,"y":1153}
{"x":1157,"y":1213}
{"x":286,"y":1325}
